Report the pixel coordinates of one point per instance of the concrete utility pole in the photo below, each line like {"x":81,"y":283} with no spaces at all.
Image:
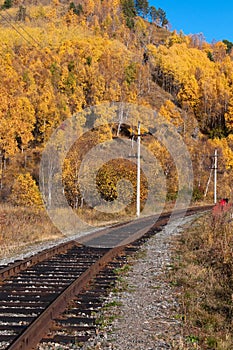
{"x":138,"y":170}
{"x":215,"y":174}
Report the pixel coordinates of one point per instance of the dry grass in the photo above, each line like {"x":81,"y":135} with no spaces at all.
{"x":20,"y":227}
{"x":203,"y":272}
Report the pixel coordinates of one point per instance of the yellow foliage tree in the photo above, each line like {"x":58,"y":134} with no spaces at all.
{"x":229,"y":116}
{"x":25,"y":192}
{"x":189,"y":94}
{"x":169,"y":111}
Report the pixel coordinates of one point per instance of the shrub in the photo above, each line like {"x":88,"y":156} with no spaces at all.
{"x":25,"y":192}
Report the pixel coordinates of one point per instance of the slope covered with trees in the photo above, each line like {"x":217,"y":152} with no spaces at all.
{"x":58,"y":58}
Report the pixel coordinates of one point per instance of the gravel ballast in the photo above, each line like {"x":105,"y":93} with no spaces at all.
{"x":146,"y":315}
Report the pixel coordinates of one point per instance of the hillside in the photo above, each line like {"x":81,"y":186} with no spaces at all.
{"x":59,"y":58}
{"x":75,"y":80}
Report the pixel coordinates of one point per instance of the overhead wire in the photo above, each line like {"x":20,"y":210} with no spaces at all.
{"x":21,"y":27}
{"x":16,"y":29}
{"x":31,"y":40}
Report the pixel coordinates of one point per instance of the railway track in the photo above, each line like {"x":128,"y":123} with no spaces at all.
{"x":53,"y":296}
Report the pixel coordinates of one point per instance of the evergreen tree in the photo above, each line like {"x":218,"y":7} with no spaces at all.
{"x":153,"y":13}
{"x":229,"y":45}
{"x":76,"y":9}
{"x":129,"y":11}
{"x":142,"y":7}
{"x":7,"y":4}
{"x":162,"y":17}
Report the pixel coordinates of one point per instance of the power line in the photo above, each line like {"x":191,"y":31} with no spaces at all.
{"x":7,"y":20}
{"x":21,"y":27}
{"x":31,"y":40}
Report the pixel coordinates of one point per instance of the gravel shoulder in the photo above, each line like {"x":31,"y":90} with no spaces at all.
{"x":146,"y":312}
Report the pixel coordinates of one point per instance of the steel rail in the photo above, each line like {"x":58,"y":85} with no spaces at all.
{"x":33,"y":334}
{"x":147,"y":221}
{"x":24,"y":264}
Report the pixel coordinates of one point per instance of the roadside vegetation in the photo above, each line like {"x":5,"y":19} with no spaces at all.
{"x":23,"y":226}
{"x":203,"y":274}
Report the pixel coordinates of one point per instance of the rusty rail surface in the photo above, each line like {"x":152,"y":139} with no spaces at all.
{"x":32,"y":335}
{"x":16,"y":267}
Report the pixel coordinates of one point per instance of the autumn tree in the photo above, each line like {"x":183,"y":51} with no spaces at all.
{"x":219,"y":51}
{"x":114,"y":171}
{"x":171,"y":113}
{"x":189,"y":94}
{"x":229,"y":116}
{"x":25,"y":192}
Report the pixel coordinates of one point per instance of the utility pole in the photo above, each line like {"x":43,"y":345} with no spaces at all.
{"x":215,"y":168}
{"x":138,"y":170}
{"x":215,"y":174}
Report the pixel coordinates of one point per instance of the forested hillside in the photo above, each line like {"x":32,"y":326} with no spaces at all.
{"x":58,"y":58}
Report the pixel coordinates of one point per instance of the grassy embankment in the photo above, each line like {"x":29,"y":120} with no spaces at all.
{"x":203,"y":273}
{"x":20,"y":227}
